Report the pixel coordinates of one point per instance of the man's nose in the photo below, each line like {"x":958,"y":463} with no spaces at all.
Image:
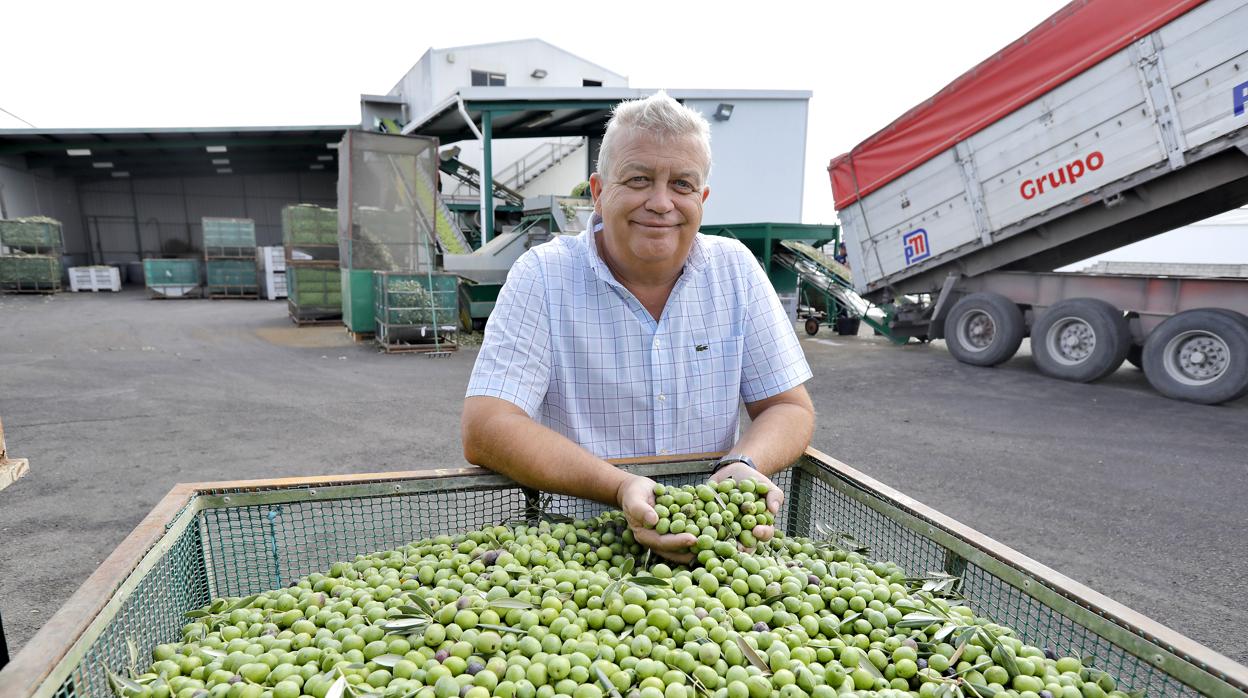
{"x":660,"y":199}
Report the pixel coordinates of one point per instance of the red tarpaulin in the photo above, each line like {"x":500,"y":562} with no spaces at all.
{"x":1078,"y":36}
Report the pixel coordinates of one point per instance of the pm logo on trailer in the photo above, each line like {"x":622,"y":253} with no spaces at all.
{"x":915,"y":245}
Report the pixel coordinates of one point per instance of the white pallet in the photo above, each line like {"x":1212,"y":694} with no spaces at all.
{"x":94,"y":279}
{"x":273,"y":263}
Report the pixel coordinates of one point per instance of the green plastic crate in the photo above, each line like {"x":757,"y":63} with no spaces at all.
{"x":240,"y":538}
{"x":231,"y":278}
{"x":36,"y":234}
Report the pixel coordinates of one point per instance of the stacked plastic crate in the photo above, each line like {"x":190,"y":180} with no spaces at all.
{"x":313,"y":282}
{"x":30,"y":255}
{"x":230,"y":258}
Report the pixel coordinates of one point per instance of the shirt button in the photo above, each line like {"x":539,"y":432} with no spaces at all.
{"x":657,"y":343}
{"x":662,"y":397}
{"x":663,"y":452}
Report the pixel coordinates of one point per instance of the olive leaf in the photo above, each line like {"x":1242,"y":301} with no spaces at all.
{"x":198,"y":613}
{"x":338,"y":688}
{"x":649,"y":581}
{"x":242,"y":603}
{"x":503,"y":628}
{"x":918,"y":620}
{"x":866,"y":663}
{"x":772,"y":599}
{"x":388,"y":660}
{"x":627,"y":567}
{"x":400,"y":624}
{"x":752,"y":655}
{"x":511,"y":603}
{"x":422,"y":605}
{"x":213,"y":652}
{"x":980,"y":690}
{"x":606,"y":683}
{"x":122,"y":686}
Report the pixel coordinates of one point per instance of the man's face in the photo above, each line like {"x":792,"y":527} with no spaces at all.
{"x":650,"y":203}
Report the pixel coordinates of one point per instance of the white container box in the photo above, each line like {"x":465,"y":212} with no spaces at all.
{"x":273,"y":262}
{"x":94,"y":279}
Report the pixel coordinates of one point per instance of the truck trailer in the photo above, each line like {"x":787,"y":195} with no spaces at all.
{"x":1110,"y":122}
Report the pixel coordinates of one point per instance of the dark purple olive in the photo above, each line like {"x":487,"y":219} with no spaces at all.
{"x":910,"y":642}
{"x":490,"y":557}
{"x":1045,"y":694}
{"x":474,"y":668}
{"x":441,"y":656}
{"x":812,"y":579}
{"x":761,"y":627}
{"x":234,"y":679}
{"x":1049,"y":653}
{"x":463,"y":691}
{"x":463,"y":603}
{"x":921,"y":662}
{"x":950,"y":671}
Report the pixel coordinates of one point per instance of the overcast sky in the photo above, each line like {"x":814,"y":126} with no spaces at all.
{"x":129,"y":64}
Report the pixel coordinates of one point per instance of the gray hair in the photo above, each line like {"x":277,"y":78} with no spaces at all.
{"x":662,"y":117}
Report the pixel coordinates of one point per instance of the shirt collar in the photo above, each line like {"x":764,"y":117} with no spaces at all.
{"x":694,"y":264}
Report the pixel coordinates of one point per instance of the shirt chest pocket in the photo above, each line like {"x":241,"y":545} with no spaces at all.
{"x":715,"y":368}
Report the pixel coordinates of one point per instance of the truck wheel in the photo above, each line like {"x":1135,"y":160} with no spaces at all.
{"x":1199,"y":356}
{"x":984,"y":329}
{"x":1081,"y":339}
{"x":812,"y":326}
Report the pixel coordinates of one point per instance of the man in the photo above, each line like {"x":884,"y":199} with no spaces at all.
{"x":639,"y":337}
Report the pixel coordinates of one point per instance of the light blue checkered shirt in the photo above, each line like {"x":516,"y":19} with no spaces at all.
{"x":573,"y":348}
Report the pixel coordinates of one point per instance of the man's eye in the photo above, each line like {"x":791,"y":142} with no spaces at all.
{"x":639,"y":179}
{"x":684,"y":185}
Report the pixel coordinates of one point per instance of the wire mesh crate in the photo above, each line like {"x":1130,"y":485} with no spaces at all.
{"x":30,"y":273}
{"x":239,"y":538}
{"x":310,"y":235}
{"x":416,"y":312}
{"x":32,"y":235}
{"x":229,"y":238}
{"x":314,"y":294}
{"x":231,"y":278}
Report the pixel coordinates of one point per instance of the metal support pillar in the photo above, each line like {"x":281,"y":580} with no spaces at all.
{"x":487,"y":176}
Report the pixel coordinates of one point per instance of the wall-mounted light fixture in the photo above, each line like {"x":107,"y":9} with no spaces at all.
{"x":723,"y":112}
{"x":539,"y":73}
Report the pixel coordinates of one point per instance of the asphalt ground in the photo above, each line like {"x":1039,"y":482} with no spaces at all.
{"x":115,"y":398}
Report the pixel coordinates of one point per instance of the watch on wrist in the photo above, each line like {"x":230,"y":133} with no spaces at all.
{"x":733,"y":458}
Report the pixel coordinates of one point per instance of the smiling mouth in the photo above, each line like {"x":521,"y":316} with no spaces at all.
{"x":657,"y":226}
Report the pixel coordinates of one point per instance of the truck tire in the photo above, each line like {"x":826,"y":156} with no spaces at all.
{"x":1081,"y":340}
{"x":984,"y":329}
{"x":1199,"y":356}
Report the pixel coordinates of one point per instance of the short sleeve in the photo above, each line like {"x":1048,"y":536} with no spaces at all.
{"x":514,"y":360}
{"x":773,"y":361}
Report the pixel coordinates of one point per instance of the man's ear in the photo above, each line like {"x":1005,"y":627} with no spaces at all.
{"x":595,"y":190}
{"x":706,"y":191}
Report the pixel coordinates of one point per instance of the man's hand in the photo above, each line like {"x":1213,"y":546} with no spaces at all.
{"x":775,"y":496}
{"x":635,"y":498}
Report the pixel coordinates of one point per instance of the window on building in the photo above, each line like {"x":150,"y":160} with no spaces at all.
{"x":484,"y":78}
{"x":591,"y":83}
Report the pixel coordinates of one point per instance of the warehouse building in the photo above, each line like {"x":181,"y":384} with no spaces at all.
{"x":534,"y":109}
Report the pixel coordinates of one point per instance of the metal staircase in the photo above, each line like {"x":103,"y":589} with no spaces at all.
{"x":534,"y":163}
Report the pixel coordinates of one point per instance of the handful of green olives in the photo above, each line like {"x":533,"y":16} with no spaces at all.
{"x":719,"y":514}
